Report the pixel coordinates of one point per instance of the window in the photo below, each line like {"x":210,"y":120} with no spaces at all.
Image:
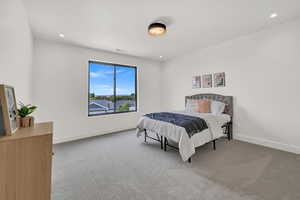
{"x":112,"y":88}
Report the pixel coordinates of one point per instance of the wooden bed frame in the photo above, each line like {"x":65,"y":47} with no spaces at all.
{"x":228,"y":100}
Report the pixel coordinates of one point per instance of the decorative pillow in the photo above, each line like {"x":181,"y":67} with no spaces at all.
{"x":217,"y":107}
{"x":204,"y":106}
{"x":191,"y":105}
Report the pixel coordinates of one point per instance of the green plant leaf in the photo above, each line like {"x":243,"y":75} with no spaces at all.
{"x":26,"y":110}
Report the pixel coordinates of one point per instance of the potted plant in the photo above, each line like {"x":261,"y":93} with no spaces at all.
{"x":24,"y":112}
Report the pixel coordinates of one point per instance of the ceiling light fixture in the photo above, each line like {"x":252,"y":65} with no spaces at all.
{"x":61,"y":35}
{"x":157,"y":29}
{"x":273,"y":15}
{"x":160,"y":56}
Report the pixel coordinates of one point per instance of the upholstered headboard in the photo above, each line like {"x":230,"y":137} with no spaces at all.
{"x":228,"y":100}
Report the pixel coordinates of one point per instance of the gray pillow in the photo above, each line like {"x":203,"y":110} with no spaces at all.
{"x":217,"y":107}
{"x":191,"y":106}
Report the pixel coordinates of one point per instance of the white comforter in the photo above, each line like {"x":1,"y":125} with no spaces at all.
{"x":178,"y":134}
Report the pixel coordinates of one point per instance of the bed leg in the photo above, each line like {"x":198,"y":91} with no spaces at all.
{"x":214,"y":144}
{"x":190,"y":160}
{"x":161,"y":142}
{"x":228,"y":134}
{"x":230,"y":131}
{"x":145,"y":136}
{"x":165,"y":144}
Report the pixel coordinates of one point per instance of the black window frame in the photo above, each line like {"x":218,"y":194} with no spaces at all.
{"x":114,"y":67}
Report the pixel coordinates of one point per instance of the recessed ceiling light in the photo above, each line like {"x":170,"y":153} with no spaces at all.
{"x":61,"y":35}
{"x":160,"y":56}
{"x":273,"y":15}
{"x":157,"y":29}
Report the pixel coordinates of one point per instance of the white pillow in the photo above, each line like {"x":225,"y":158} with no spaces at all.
{"x":217,"y":107}
{"x":191,"y":105}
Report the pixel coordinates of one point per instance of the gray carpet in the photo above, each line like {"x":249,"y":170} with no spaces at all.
{"x":121,"y":167}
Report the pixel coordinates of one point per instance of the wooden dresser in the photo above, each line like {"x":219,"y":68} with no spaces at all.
{"x":25,"y":163}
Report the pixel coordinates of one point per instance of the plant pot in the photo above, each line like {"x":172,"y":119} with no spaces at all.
{"x":27,"y":121}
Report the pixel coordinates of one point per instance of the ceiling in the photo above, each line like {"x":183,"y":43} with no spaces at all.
{"x":122,"y":24}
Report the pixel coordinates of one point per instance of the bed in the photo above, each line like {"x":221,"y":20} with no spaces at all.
{"x":209,"y":127}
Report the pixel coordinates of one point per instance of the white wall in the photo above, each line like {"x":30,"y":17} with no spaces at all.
{"x":61,"y":90}
{"x":15,"y":49}
{"x":262,"y":73}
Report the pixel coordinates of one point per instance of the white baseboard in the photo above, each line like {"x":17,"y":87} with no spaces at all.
{"x":268,"y":143}
{"x":79,"y":137}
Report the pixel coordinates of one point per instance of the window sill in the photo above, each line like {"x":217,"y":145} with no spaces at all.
{"x":107,"y":114}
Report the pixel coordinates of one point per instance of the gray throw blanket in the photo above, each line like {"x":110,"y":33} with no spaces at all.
{"x":191,"y":124}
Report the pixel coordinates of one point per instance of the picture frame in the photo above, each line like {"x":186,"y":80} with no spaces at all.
{"x":196,"y":82}
{"x":207,"y":80}
{"x":219,"y":79}
{"x":9,"y":113}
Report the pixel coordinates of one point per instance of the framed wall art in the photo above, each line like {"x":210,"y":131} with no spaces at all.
{"x":196,"y":82}
{"x":9,"y":123}
{"x":207,"y":81}
{"x":219,"y":79}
